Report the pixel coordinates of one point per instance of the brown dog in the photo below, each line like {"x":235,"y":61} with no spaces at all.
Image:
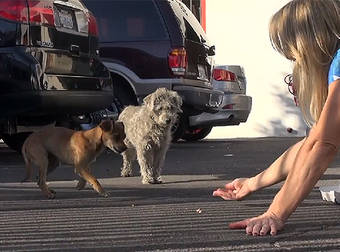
{"x":48,"y":147}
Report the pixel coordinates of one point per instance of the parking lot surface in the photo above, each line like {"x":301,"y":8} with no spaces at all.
{"x":178,"y":215}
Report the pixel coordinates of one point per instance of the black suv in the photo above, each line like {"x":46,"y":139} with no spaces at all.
{"x":49,"y":66}
{"x":148,"y":44}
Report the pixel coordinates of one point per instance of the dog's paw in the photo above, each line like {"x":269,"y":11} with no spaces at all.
{"x":51,"y":194}
{"x":152,"y":181}
{"x":157,"y":181}
{"x":104,"y":194}
{"x":80,"y":185}
{"x":126,"y":174}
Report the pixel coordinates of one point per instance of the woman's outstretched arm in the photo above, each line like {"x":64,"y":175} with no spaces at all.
{"x":311,"y":162}
{"x":275,"y":173}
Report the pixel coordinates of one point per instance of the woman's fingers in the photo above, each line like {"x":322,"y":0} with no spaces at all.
{"x":261,"y":225}
{"x":273,"y":227}
{"x":256,"y":229}
{"x":249,"y":228}
{"x":230,"y":186}
{"x":239,"y":224}
{"x":225,"y":194}
{"x":265,"y":229}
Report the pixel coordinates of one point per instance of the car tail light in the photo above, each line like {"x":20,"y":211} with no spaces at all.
{"x":178,"y":61}
{"x":224,"y":75}
{"x":93,"y":28}
{"x":14,"y":10}
{"x":41,"y":12}
{"x":228,"y":106}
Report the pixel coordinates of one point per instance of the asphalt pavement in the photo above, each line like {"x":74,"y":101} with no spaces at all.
{"x":178,"y":215}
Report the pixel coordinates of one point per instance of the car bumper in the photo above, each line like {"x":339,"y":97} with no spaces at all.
{"x":54,"y":102}
{"x":201,"y":99}
{"x":197,"y":96}
{"x":225,"y":115}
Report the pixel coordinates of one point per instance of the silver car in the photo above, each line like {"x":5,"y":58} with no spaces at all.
{"x":233,"y":110}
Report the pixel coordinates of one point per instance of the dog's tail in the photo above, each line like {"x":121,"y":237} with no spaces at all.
{"x":28,"y":162}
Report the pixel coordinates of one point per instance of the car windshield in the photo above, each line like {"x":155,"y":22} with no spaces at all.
{"x":131,"y":20}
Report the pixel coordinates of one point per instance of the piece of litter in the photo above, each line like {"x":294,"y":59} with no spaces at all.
{"x":330,"y":193}
{"x":199,"y":210}
{"x":228,"y":155}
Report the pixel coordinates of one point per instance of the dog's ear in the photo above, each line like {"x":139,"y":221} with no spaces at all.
{"x":149,"y":101}
{"x":119,"y":126}
{"x":107,"y":125}
{"x":178,"y":99}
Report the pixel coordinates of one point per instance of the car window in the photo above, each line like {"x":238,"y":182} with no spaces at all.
{"x":189,"y":25}
{"x":132,"y":20}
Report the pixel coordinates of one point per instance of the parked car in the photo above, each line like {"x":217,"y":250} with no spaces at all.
{"x":234,"y":109}
{"x":50,"y":71}
{"x":155,"y":43}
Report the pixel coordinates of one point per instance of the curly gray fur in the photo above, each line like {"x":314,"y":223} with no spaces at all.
{"x":148,"y":133}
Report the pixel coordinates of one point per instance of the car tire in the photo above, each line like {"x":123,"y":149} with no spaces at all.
{"x":15,"y":141}
{"x":195,"y":134}
{"x":123,"y":93}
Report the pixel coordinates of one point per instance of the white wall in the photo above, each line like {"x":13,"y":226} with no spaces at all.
{"x":239,"y":30}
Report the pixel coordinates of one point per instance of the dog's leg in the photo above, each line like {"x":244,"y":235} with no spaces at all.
{"x":145,"y":160}
{"x":159,"y":157}
{"x":156,"y":158}
{"x":85,"y":174}
{"x":29,"y":170}
{"x":82,"y":182}
{"x":53,"y":163}
{"x":43,"y":165}
{"x":128,"y":157}
{"x":28,"y":162}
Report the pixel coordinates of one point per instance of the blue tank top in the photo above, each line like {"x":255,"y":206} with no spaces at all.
{"x":334,"y":70}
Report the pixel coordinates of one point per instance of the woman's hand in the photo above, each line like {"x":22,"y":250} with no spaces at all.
{"x":261,"y":225}
{"x":236,"y":190}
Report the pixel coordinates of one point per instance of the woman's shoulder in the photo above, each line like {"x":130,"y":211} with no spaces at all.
{"x":334,"y":70}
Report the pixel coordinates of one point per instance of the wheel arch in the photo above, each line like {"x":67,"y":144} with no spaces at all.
{"x":120,"y":80}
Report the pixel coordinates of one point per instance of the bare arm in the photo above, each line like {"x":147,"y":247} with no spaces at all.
{"x":278,"y":170}
{"x":311,"y":161}
{"x":313,"y":158}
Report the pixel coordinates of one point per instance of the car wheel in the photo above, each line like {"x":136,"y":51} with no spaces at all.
{"x":195,"y":134}
{"x":15,"y":141}
{"x":123,"y":93}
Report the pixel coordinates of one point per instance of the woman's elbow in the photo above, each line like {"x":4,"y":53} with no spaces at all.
{"x":327,"y":149}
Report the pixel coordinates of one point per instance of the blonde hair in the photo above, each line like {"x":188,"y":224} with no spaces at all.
{"x":307,"y":32}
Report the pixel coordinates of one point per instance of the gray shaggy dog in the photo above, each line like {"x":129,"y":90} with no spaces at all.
{"x":148,"y":133}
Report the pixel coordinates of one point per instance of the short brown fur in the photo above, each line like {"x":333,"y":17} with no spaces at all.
{"x":52,"y":145}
